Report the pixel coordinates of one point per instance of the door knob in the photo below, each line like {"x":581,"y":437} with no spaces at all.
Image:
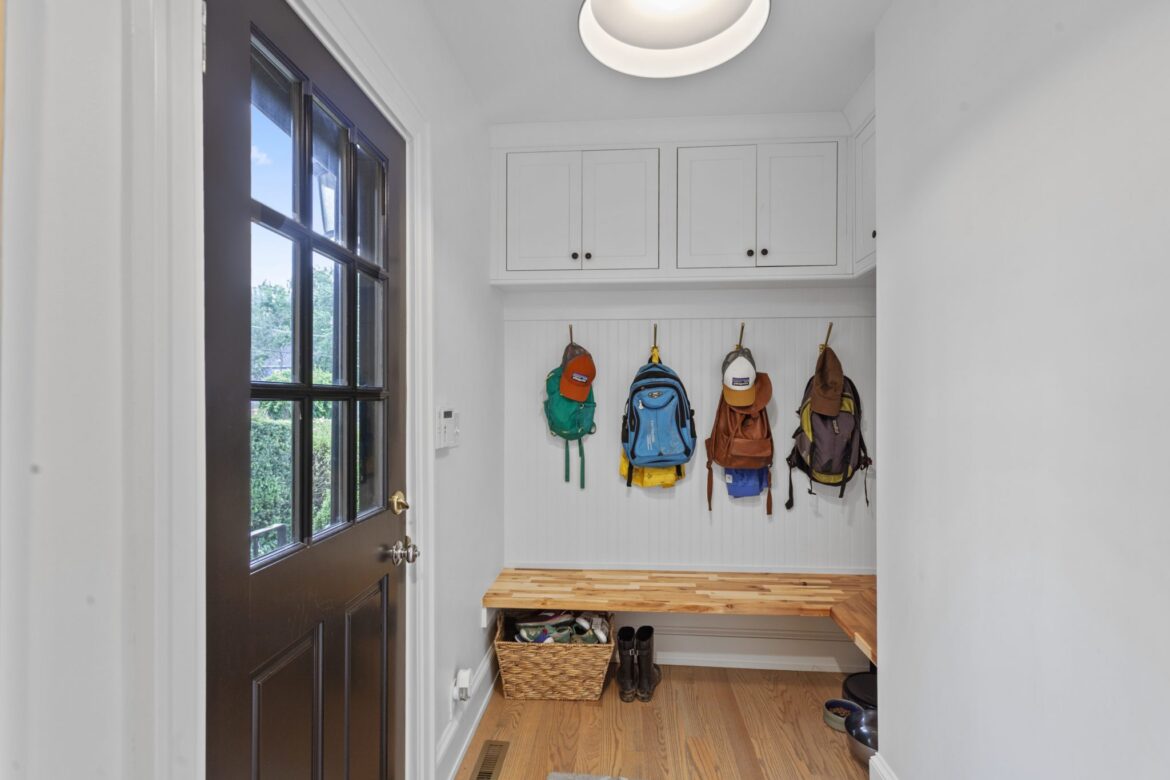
{"x":403,"y":551}
{"x":398,"y":503}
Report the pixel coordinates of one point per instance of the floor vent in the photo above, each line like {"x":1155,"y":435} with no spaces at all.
{"x":491,"y":761}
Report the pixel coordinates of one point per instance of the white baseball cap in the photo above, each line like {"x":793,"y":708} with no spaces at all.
{"x":739,"y":377}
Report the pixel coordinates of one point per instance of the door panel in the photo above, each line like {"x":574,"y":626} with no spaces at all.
{"x":619,"y":202}
{"x":366,"y":631}
{"x":544,"y":211}
{"x":797,"y":203}
{"x":306,"y":381}
{"x":716,"y":207}
{"x":286,"y":710}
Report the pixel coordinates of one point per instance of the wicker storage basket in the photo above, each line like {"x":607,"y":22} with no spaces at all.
{"x":573,"y":672}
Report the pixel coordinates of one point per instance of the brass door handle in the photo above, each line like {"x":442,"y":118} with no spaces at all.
{"x":398,"y":503}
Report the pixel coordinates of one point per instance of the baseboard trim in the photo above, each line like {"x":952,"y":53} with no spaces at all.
{"x":753,"y":632}
{"x":782,"y":663}
{"x":456,"y":737}
{"x":880,"y":770}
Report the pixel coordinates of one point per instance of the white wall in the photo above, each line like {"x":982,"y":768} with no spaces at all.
{"x":467,"y":517}
{"x":1023,"y":199}
{"x":607,"y":525}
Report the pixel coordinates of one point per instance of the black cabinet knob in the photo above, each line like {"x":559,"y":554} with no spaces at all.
{"x":588,"y":255}
{"x":874,"y":234}
{"x":575,"y":255}
{"x":763,"y":251}
{"x":751,"y":253}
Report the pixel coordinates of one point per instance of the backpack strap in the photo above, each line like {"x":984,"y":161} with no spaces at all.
{"x":769,"y":491}
{"x":791,"y":465}
{"x":710,"y":482}
{"x":629,"y":472}
{"x":580,"y":460}
{"x":566,"y":460}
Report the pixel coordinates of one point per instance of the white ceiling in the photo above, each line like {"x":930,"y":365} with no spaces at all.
{"x":525,"y":63}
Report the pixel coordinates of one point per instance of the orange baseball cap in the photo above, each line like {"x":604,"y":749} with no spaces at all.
{"x":577,"y":373}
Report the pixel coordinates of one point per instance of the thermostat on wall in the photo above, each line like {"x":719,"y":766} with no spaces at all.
{"x":447,"y":434}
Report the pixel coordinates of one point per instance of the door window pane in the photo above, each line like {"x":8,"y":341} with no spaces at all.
{"x":274,"y":111}
{"x":272,"y":467}
{"x":371,"y":326}
{"x":370,"y":448}
{"x":273,"y":356}
{"x":329,"y":508}
{"x":328,"y":321}
{"x":368,"y":177}
{"x":329,"y":140}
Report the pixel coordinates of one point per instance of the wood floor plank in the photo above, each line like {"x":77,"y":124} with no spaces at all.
{"x":703,"y":724}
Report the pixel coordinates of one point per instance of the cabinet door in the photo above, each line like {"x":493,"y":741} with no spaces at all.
{"x":716,"y":207}
{"x":865,"y":226}
{"x":544,"y":211}
{"x":619,"y":204}
{"x":797,"y":204}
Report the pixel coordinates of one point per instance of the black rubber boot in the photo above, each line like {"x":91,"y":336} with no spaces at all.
{"x":627,"y":674}
{"x":649,"y":673}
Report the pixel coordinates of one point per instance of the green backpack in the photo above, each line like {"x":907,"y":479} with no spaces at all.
{"x":571,"y":420}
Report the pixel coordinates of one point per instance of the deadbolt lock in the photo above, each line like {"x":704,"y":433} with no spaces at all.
{"x":398,"y":503}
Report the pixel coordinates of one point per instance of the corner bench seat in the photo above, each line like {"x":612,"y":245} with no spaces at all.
{"x":711,"y":593}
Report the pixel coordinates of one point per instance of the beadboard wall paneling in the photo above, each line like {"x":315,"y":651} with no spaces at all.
{"x":554,"y":523}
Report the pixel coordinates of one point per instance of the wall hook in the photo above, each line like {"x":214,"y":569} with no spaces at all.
{"x":571,"y":333}
{"x":828,"y":333}
{"x":739,"y":344}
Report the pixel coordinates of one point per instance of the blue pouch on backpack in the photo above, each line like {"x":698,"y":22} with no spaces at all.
{"x":742,"y":483}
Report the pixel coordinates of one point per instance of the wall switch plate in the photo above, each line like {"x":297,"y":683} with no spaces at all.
{"x":447,"y":432}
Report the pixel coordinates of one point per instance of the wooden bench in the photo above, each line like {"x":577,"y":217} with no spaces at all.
{"x":850,"y":599}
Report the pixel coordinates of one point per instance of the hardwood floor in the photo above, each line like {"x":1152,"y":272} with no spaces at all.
{"x":707,"y":724}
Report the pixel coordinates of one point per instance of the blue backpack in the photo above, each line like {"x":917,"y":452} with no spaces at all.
{"x":658,"y":427}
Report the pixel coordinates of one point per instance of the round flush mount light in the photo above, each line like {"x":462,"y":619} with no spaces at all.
{"x":669,"y":38}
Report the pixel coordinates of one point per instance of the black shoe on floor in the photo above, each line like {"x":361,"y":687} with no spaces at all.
{"x":649,"y":673}
{"x":627,"y":674}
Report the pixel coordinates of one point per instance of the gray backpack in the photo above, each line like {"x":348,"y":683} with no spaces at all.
{"x":829,"y":449}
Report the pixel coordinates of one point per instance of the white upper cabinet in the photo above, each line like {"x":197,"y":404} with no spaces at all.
{"x":544,"y":211}
{"x":761,"y":200}
{"x":717,"y":207}
{"x":619,"y":202}
{"x":595,"y":210}
{"x":796,"y":204}
{"x":865,"y":204}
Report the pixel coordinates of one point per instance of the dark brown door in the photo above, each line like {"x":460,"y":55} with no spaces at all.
{"x":304,"y":209}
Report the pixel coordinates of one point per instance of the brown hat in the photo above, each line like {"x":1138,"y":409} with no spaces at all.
{"x":827,"y":384}
{"x":577,"y":372}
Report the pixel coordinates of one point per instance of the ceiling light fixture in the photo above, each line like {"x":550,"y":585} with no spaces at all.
{"x":667,"y":38}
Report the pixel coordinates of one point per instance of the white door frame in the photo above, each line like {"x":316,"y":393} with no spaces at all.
{"x":166,"y":738}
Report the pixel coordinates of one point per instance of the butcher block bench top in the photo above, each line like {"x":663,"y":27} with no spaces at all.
{"x":710,"y":593}
{"x":857,"y":617}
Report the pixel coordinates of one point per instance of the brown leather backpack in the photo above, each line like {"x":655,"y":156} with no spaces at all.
{"x":741,"y":437}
